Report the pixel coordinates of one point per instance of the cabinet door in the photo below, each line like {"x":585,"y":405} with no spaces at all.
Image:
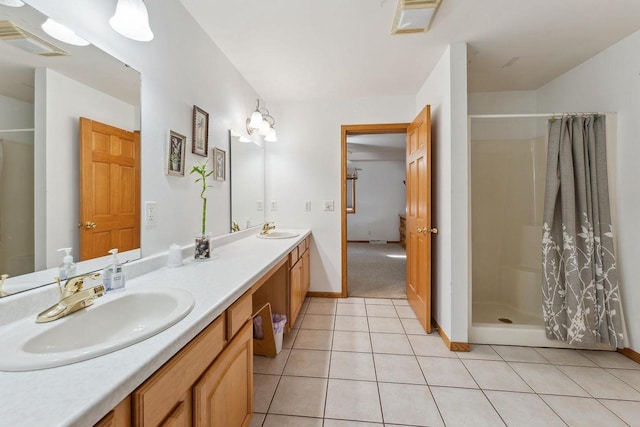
{"x":224,"y":395}
{"x":180,"y":416}
{"x":120,"y":416}
{"x":295,"y":291}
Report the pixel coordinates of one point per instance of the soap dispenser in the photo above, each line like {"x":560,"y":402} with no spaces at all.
{"x":114,"y":275}
{"x":67,"y":269}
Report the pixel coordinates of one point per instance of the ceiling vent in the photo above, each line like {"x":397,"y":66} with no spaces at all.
{"x":414,"y":16}
{"x":23,"y":39}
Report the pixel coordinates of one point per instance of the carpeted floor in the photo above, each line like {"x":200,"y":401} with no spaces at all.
{"x":376,"y":270}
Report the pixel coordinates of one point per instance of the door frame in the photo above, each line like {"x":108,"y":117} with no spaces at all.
{"x":346,"y":130}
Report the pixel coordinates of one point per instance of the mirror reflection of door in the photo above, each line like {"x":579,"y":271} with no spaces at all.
{"x":351,"y":195}
{"x":109,"y":189}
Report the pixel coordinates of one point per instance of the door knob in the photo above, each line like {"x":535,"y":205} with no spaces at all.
{"x":419,"y":230}
{"x":89,"y":225}
{"x":432,"y":230}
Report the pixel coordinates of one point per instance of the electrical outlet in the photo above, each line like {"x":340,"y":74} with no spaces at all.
{"x":307,"y":205}
{"x":259,"y":206}
{"x":151,"y":213}
{"x":274,"y":205}
{"x":328,"y":205}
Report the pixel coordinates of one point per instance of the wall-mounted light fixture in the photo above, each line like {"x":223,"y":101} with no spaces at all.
{"x":12,"y":3}
{"x":263,"y":123}
{"x":132,"y":20}
{"x":63,"y":33}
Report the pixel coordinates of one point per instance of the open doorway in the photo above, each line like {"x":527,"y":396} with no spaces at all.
{"x":373,"y":208}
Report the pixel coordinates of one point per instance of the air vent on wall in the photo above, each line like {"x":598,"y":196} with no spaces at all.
{"x":23,"y":39}
{"x":414,"y":16}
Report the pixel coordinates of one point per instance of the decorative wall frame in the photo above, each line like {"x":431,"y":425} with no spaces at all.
{"x":219,"y":164}
{"x":176,"y":149}
{"x":200,"y":140}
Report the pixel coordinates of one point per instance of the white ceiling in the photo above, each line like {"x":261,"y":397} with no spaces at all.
{"x":300,"y":49}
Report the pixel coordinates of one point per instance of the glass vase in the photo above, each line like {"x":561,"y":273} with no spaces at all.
{"x":203,"y":246}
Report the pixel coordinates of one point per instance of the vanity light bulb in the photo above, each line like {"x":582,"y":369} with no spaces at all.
{"x":271,"y":136}
{"x":264,"y":128}
{"x":12,"y":3}
{"x":63,"y":33}
{"x":132,"y":20}
{"x":256,"y":120}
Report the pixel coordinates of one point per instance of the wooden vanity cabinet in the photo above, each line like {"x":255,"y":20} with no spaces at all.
{"x":299,"y":278}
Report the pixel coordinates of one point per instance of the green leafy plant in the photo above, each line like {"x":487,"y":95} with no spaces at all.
{"x":201,"y":171}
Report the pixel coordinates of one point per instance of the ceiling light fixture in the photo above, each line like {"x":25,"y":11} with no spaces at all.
{"x":263,"y":123}
{"x":132,"y":20}
{"x":414,"y":16}
{"x":63,"y":33}
{"x":12,"y":3}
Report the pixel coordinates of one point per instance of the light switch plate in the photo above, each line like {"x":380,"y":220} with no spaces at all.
{"x":151,"y":213}
{"x":259,"y":206}
{"x":328,"y":205}
{"x":274,"y":205}
{"x":307,"y":205}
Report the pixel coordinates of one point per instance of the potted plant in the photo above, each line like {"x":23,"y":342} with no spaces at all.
{"x":202,"y":250}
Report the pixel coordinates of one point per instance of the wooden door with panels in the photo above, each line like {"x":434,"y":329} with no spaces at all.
{"x":418,"y":220}
{"x":109,"y":189}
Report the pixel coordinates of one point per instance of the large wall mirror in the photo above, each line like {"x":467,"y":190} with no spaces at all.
{"x":247,"y":182}
{"x":42,"y":98}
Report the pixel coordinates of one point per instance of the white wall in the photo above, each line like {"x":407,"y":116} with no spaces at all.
{"x":380,"y":197}
{"x":180,"y":67}
{"x":609,"y":82}
{"x":305,"y":165}
{"x":66,"y":101}
{"x":446,"y":91}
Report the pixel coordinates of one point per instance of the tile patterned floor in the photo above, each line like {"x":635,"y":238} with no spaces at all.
{"x":367,"y":362}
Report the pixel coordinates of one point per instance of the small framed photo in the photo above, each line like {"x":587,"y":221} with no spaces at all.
{"x":176,"y":149}
{"x":200,"y":141}
{"x":220,"y":164}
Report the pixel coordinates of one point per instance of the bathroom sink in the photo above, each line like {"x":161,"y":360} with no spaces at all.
{"x":113,"y":322}
{"x":278,"y":234}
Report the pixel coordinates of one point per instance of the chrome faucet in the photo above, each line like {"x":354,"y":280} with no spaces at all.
{"x":72,"y":298}
{"x":268,"y":226}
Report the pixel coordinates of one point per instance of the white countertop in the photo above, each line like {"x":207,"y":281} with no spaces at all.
{"x":80,"y":394}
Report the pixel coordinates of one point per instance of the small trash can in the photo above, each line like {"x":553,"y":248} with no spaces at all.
{"x":279,"y":320}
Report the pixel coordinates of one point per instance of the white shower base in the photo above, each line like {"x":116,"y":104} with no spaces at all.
{"x":490,"y":312}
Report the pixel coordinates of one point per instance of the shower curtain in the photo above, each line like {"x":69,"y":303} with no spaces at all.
{"x":581,"y":295}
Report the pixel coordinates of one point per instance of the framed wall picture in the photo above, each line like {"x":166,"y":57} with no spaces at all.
{"x":220,"y":164}
{"x":176,"y":149}
{"x":200,"y":140}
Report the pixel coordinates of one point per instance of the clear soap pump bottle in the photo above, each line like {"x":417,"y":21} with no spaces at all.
{"x":114,"y":275}
{"x":67,"y":269}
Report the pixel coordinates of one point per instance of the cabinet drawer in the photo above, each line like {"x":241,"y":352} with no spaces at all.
{"x":239,"y":312}
{"x":302,"y":247}
{"x":156,"y":398}
{"x":293,"y":256}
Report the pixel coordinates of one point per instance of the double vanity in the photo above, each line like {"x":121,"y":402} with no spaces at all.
{"x":174,"y":349}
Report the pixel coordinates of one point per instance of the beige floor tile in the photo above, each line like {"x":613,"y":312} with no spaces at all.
{"x":479,"y":351}
{"x":447,"y":372}
{"x":512,"y":353}
{"x":333,"y":301}
{"x":629,"y":376}
{"x":564,"y":356}
{"x":406,"y":312}
{"x":351,"y":300}
{"x":413,"y":327}
{"x":298,"y":322}
{"x":381,"y":311}
{"x":317,"y":321}
{"x":408,"y":404}
{"x":400,"y":302}
{"x":257,"y":419}
{"x":299,"y":396}
{"x":344,"y":423}
{"x":304,"y":306}
{"x":523,"y":409}
{"x":628,"y":411}
{"x":397,"y":368}
{"x":390,"y":343}
{"x":351,"y":310}
{"x":321,"y":308}
{"x":273,"y":420}
{"x":582,"y":411}
{"x":351,"y":323}
{"x":430,"y":345}
{"x":378,"y":301}
{"x":352,"y":341}
{"x":352,"y":366}
{"x":311,"y":339}
{"x":610,"y":359}
{"x":353,"y":400}
{"x":264,"y":386}
{"x":271,"y":365}
{"x":308,"y":363}
{"x":600,"y":383}
{"x":388,"y":325}
{"x":547,"y":379}
{"x":465,"y":407}
{"x":495,"y":375}
{"x":289,"y":338}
